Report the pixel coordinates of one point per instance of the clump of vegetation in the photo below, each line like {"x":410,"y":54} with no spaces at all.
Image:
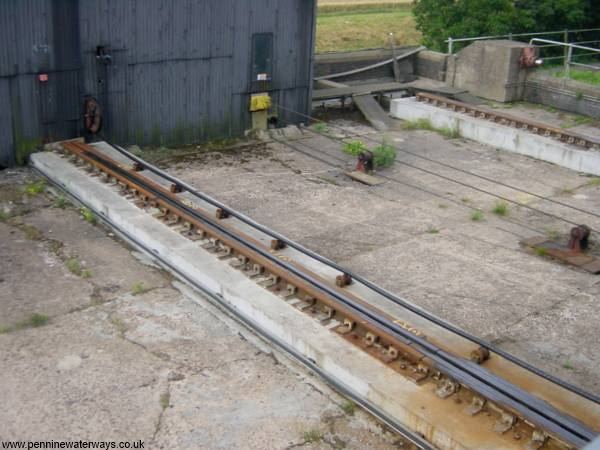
{"x":32,"y":233}
{"x":552,"y":234}
{"x":354,"y":148}
{"x":594,"y":182}
{"x":540,"y":251}
{"x":60,"y":202}
{"x":500,"y":209}
{"x":34,"y":321}
{"x":425,"y":124}
{"x":419,"y":124}
{"x":35,"y":188}
{"x":477,"y":216}
{"x":321,"y":127}
{"x":349,"y":407}
{"x":138,"y":288}
{"x":568,"y":366}
{"x":75,"y":267}
{"x":384,"y":155}
{"x":165,"y":400}
{"x":4,"y":216}
{"x":313,"y":435}
{"x":88,"y":215}
{"x":432,"y":230}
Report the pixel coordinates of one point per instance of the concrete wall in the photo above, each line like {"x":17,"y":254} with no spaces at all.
{"x":489,"y":69}
{"x":564,"y":94}
{"x":432,"y":65}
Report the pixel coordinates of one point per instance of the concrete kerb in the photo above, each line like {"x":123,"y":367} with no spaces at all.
{"x":499,"y":136}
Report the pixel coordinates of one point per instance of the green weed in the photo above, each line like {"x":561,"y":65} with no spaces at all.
{"x":35,"y":188}
{"x":321,"y":127}
{"x":477,"y":216}
{"x":165,"y":400}
{"x":568,"y":366}
{"x":312,"y":436}
{"x":60,"y":202}
{"x":88,"y":215}
{"x":74,"y":266}
{"x":138,"y":288}
{"x":349,"y":407}
{"x":34,"y":321}
{"x":384,"y":155}
{"x":354,"y":148}
{"x":32,"y":233}
{"x":500,"y":209}
{"x":540,"y":251}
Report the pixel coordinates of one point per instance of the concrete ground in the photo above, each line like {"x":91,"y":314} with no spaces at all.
{"x":96,"y":344}
{"x":422,"y":243}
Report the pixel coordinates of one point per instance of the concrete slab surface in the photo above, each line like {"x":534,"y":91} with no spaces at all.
{"x":422,"y":243}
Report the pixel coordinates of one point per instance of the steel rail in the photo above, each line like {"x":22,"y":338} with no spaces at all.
{"x":466,"y":373}
{"x":217,"y":300}
{"x":381,"y":291}
{"x":531,"y":125}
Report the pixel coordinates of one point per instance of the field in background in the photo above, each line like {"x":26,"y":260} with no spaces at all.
{"x":344,"y":25}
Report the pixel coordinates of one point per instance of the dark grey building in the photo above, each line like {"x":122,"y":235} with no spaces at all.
{"x":164,"y":71}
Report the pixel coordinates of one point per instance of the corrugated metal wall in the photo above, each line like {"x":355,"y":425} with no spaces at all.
{"x":180,"y":70}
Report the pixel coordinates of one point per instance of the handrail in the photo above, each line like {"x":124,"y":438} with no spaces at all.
{"x":569,"y":46}
{"x":450,"y":41}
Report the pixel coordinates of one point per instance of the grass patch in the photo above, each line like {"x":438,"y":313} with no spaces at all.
{"x":540,"y":251}
{"x":346,"y":26}
{"x":477,"y":216}
{"x":321,"y":128}
{"x":74,"y":266}
{"x":4,"y":216}
{"x":552,"y":234}
{"x":60,"y":202}
{"x":165,"y":400}
{"x":32,"y":233}
{"x":119,"y":324}
{"x":584,"y":76}
{"x":138,"y":288}
{"x":432,"y":230}
{"x":419,"y":124}
{"x":349,"y":407}
{"x":88,"y":216}
{"x":593,"y":182}
{"x":35,"y":188}
{"x":500,"y":209}
{"x":313,"y":435}
{"x":354,"y":148}
{"x":384,"y":155}
{"x":36,"y":320}
{"x":568,"y":366}
{"x":425,"y":124}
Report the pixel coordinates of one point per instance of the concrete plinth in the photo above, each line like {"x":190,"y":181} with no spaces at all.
{"x":489,"y":69}
{"x":500,"y":136}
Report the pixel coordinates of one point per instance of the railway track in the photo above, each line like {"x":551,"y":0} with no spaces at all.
{"x":502,"y":118}
{"x":472,"y":381}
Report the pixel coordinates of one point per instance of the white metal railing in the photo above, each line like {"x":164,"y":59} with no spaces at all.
{"x":569,"y":53}
{"x":565,"y":33}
